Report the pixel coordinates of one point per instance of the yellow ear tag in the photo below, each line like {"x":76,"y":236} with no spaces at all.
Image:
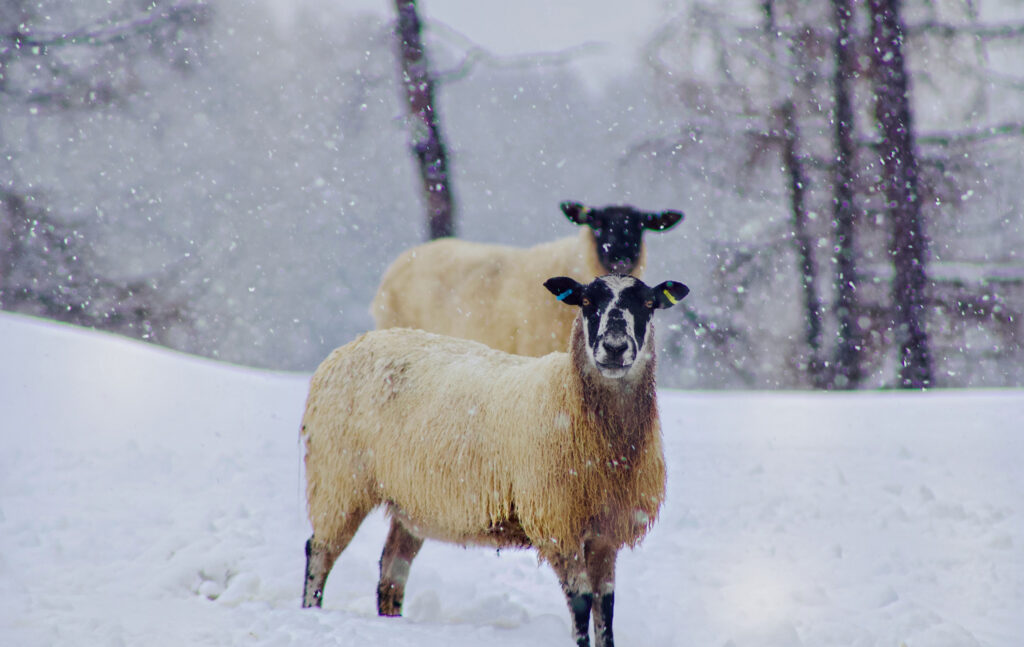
{"x":670,"y":298}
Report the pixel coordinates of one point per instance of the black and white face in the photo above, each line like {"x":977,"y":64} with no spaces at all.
{"x":618,"y":231}
{"x":617,"y":313}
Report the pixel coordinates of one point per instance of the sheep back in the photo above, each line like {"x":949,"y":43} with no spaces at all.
{"x":492,"y":294}
{"x":464,"y":440}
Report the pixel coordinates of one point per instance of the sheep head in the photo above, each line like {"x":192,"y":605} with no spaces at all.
{"x":618,"y":231}
{"x":616,"y":314}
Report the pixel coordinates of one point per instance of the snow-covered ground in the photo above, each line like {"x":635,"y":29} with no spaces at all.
{"x":150,"y":498}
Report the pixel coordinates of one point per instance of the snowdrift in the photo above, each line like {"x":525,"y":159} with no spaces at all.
{"x":152,"y":498}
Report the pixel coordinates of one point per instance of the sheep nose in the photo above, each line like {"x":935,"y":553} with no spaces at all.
{"x":615,"y":348}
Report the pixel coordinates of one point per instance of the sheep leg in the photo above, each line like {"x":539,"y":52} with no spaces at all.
{"x":399,"y":551}
{"x":576,"y":586}
{"x":320,"y":558}
{"x":600,"y":560}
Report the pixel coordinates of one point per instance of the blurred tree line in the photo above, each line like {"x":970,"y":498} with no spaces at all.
{"x":867,"y":188}
{"x":848,"y":170}
{"x":819,"y":62}
{"x":46,"y":264}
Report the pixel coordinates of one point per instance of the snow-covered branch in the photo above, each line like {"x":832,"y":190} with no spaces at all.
{"x":110,"y":30}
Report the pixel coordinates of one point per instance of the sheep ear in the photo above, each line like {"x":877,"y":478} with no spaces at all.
{"x":662,"y":221}
{"x":669,"y":293}
{"x":567,"y":290}
{"x":576,"y":212}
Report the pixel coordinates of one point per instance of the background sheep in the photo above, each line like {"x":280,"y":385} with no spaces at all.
{"x":490,"y":293}
{"x":471,"y":445}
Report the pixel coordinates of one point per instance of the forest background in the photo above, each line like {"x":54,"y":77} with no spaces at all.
{"x":231,"y":179}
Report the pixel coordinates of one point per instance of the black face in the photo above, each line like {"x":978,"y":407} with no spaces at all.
{"x":617,"y":308}
{"x":616,"y":312}
{"x":618,"y":231}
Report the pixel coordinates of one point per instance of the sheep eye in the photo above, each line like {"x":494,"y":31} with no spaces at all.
{"x":649,"y":303}
{"x":586,"y":301}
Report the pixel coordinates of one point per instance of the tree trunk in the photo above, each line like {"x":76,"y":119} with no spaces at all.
{"x":425,"y":135}
{"x":804,"y":247}
{"x":908,"y":244}
{"x":793,"y":167}
{"x":847,"y":373}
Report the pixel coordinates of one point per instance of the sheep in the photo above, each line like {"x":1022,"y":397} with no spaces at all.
{"x":470,"y":445}
{"x":487,"y":292}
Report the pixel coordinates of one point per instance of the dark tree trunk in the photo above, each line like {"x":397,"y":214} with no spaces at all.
{"x":425,"y":134}
{"x":804,"y":247}
{"x":847,"y":372}
{"x":793,"y":167}
{"x":908,"y":244}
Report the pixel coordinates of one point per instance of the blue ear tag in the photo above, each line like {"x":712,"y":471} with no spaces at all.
{"x":561,"y":297}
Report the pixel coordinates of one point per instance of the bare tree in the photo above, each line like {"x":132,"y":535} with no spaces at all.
{"x":794,"y":168}
{"x":47,"y":267}
{"x":847,"y":370}
{"x":908,"y":247}
{"x":424,"y":123}
{"x":46,"y":271}
{"x":786,"y":53}
{"x":883,"y":280}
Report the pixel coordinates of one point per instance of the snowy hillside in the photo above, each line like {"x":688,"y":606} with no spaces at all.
{"x":150,"y":498}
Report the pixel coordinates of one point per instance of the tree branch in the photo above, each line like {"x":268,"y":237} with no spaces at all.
{"x":984,"y":32}
{"x":103,"y":32}
{"x":974,"y":135}
{"x":475,"y":54}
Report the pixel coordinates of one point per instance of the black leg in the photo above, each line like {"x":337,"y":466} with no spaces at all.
{"x":579,"y":607}
{"x":318,"y":564}
{"x":603,"y":608}
{"x":576,"y":586}
{"x":322,"y":549}
{"x":400,"y":549}
{"x":600,"y":560}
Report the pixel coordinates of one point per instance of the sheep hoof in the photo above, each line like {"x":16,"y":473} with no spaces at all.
{"x":389,"y":600}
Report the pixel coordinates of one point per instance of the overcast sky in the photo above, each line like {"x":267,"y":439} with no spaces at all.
{"x":528,"y":26}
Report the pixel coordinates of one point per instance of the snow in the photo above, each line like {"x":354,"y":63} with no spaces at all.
{"x":612,"y":33}
{"x":153,"y":498}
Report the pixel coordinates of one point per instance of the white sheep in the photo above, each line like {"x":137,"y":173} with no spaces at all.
{"x":490,"y":293}
{"x":471,"y":445}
